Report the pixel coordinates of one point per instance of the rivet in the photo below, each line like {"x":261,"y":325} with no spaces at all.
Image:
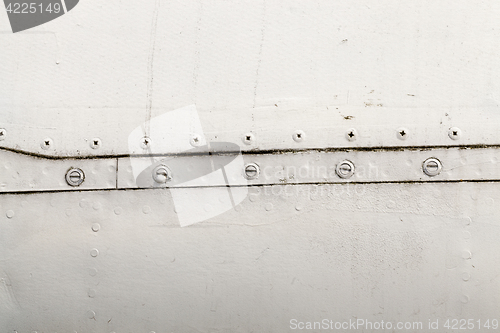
{"x":249,"y":138}
{"x":253,"y":197}
{"x":402,"y":133}
{"x":145,"y":142}
{"x":432,"y":167}
{"x":298,"y":136}
{"x":118,"y":210}
{"x":162,"y":174}
{"x":146,"y":209}
{"x":96,"y":227}
{"x":454,"y":133}
{"x":195,"y":140}
{"x":92,"y":272}
{"x":47,"y":143}
{"x":10,"y":214}
{"x":91,"y":314}
{"x":95,"y":143}
{"x":298,"y":208}
{"x":94,"y":252}
{"x":91,"y":293}
{"x":75,"y":177}
{"x":252,"y":171}
{"x":3,"y":133}
{"x":345,"y":169}
{"x":464,"y":299}
{"x":351,"y":134}
{"x":269,"y":206}
{"x":466,"y":254}
{"x":466,"y":276}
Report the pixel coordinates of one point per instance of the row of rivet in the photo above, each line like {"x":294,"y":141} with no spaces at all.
{"x":249,"y":138}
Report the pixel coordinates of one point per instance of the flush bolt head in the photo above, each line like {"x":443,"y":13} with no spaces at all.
{"x":75,"y":177}
{"x":252,"y":171}
{"x":351,"y":134}
{"x":454,"y":133}
{"x":3,"y":133}
{"x":95,"y":143}
{"x":47,"y":143}
{"x":249,"y":138}
{"x":402,"y":133}
{"x":162,"y":174}
{"x":345,"y":169}
{"x":432,"y":167}
{"x":145,"y":142}
{"x":298,"y":136}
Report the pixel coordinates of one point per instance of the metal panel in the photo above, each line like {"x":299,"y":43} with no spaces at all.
{"x":118,"y":261}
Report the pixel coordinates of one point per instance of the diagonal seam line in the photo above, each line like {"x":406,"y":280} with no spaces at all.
{"x":64,"y":6}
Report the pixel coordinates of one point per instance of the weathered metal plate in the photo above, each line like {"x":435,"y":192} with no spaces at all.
{"x":392,"y":252}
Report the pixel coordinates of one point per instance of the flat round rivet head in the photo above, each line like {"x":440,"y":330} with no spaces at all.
{"x":249,"y":138}
{"x":95,"y":143}
{"x":3,"y":133}
{"x":75,"y":177}
{"x":96,"y":227}
{"x":298,"y":136}
{"x":454,"y":133}
{"x":465,"y":276}
{"x":9,"y":214}
{"x":94,"y":252}
{"x":47,"y":143}
{"x":345,"y":169}
{"x":252,"y":171}
{"x":145,"y":142}
{"x":195,"y":140}
{"x":91,"y":314}
{"x":351,"y":134}
{"x":402,"y":133}
{"x":162,"y":174}
{"x":432,"y":167}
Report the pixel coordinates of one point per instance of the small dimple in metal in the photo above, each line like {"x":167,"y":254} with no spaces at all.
{"x":3,"y":134}
{"x":95,"y":143}
{"x":46,"y":144}
{"x":432,"y":167}
{"x":345,"y":169}
{"x":252,"y":171}
{"x":145,"y":142}
{"x":162,"y":174}
{"x":75,"y":177}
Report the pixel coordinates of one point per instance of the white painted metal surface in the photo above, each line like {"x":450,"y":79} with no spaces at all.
{"x":295,"y":87}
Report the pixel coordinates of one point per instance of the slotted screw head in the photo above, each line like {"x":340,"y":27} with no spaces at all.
{"x":75,"y":177}
{"x":3,"y":133}
{"x":432,"y":167}
{"x":252,"y":171}
{"x":345,"y":169}
{"x":162,"y":174}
